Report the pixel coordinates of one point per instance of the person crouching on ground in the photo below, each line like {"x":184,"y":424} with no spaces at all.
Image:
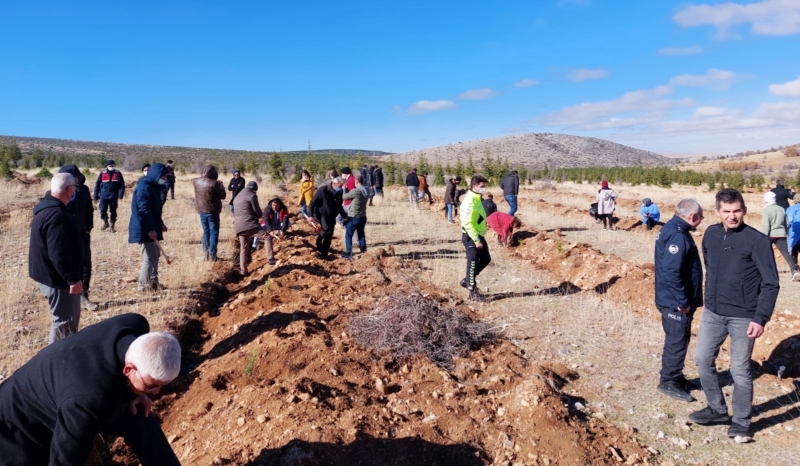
{"x":678,"y":294}
{"x":246,"y":213}
{"x":54,"y":257}
{"x":774,"y":225}
{"x":503,"y":224}
{"x":306,"y":191}
{"x":489,"y":206}
{"x":473,"y":232}
{"x":650,"y":213}
{"x":606,"y":203}
{"x":741,"y":290}
{"x":276,"y":223}
{"x":324,"y":207}
{"x":94,"y":382}
{"x":146,"y":226}
{"x":208,"y":195}
{"x":358,"y":218}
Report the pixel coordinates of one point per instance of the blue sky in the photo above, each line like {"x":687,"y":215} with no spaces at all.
{"x":402,"y":75}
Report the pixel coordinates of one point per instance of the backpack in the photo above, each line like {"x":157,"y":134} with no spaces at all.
{"x":368,"y":191}
{"x":593,"y":209}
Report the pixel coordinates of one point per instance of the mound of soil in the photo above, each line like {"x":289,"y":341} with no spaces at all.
{"x":22,"y":178}
{"x":279,"y":380}
{"x":581,"y":267}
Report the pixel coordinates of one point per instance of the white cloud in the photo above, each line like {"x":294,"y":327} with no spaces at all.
{"x":477,"y":94}
{"x":767,"y":17}
{"x":526,"y":83}
{"x":714,"y":78}
{"x":709,"y":112}
{"x":789,"y":89}
{"x":428,"y":106}
{"x":673,"y":51}
{"x":582,"y":74}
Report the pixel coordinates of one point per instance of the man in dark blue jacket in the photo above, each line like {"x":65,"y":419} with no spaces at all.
{"x":95,"y":381}
{"x":324,"y":207}
{"x":54,"y":257}
{"x":108,"y":189}
{"x":146,"y":226}
{"x":679,"y":292}
{"x":741,"y":290}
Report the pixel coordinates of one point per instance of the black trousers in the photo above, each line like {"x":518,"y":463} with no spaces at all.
{"x":428,"y":193}
{"x":650,"y":223}
{"x":477,"y":259}
{"x":325,"y":236}
{"x":678,"y":330}
{"x":86,"y":261}
{"x":107,"y":205}
{"x":144,"y":436}
{"x":172,"y":189}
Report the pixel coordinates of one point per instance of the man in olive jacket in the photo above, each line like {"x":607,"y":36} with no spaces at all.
{"x":741,"y":290}
{"x":246,"y":213}
{"x":208,"y":195}
{"x":93,"y":382}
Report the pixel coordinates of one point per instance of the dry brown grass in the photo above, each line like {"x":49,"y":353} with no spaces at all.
{"x":615,"y":351}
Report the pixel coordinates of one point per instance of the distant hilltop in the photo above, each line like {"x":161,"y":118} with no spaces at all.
{"x":535,"y":150}
{"x":153,"y":152}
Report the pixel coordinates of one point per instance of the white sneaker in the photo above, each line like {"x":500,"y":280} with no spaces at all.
{"x":796,"y":276}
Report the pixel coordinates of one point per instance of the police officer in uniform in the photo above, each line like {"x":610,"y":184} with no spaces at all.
{"x":108,"y":189}
{"x":679,"y":292}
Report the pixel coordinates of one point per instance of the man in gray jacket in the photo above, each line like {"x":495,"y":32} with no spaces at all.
{"x":358,"y":217}
{"x":246,"y":213}
{"x":510,"y":186}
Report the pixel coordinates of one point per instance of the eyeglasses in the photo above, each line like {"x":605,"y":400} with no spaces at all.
{"x":147,"y":387}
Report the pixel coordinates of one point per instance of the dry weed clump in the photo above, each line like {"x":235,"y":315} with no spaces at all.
{"x":408,"y":324}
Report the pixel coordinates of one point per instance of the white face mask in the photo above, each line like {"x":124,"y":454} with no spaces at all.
{"x":161,"y":181}
{"x":144,"y":172}
{"x":482,"y":190}
{"x":110,"y":168}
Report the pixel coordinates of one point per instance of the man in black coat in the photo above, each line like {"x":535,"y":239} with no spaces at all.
{"x":235,"y":186}
{"x":324,"y":207}
{"x":170,"y":185}
{"x":54,"y":257}
{"x":679,"y":292}
{"x":412,"y":183}
{"x":782,"y":195}
{"x":741,"y":290}
{"x":94,"y":382}
{"x":83,"y":210}
{"x":510,"y":186}
{"x":377,"y":181}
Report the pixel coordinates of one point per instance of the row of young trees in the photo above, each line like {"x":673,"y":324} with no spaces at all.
{"x":658,"y":176}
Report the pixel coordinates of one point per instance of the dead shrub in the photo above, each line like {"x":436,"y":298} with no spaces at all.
{"x":407,"y":324}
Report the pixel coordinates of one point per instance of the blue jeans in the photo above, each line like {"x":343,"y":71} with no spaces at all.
{"x":355,"y":225}
{"x":714,"y":329}
{"x":210,"y":224}
{"x":303,"y":208}
{"x":512,"y":204}
{"x":450,"y":212}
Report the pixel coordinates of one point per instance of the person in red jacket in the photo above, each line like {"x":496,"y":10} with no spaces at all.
{"x":503,"y":224}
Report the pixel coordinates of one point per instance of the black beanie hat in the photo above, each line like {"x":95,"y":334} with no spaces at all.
{"x":346,"y":171}
{"x":169,"y":161}
{"x":147,"y":165}
{"x":252,"y":185}
{"x":110,"y":162}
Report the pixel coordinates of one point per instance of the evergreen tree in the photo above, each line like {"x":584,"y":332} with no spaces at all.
{"x":276,"y":167}
{"x":471,"y":170}
{"x":459,"y":169}
{"x":422,"y":164}
{"x":438,"y":175}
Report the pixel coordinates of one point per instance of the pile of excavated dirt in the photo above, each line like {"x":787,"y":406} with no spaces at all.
{"x":22,"y":178}
{"x":279,"y":380}
{"x":583,"y":267}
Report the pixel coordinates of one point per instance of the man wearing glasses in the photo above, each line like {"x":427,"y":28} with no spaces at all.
{"x":54,"y":260}
{"x":94,"y":382}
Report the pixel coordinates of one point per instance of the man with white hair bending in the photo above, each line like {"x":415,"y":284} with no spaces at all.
{"x":54,"y":258}
{"x":94,"y":382}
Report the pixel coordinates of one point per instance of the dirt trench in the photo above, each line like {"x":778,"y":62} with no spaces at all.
{"x":279,"y":380}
